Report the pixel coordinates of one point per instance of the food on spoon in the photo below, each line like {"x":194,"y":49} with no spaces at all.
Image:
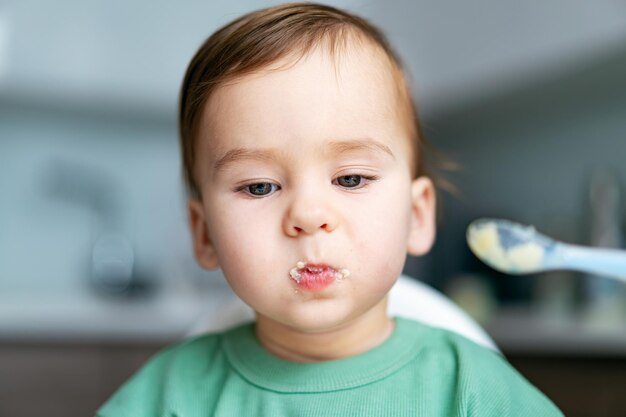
{"x":524,"y":258}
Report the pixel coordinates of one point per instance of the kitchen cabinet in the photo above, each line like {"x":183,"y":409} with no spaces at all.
{"x":61,"y":380}
{"x":107,"y":50}
{"x":582,"y":386}
{"x":140,"y":49}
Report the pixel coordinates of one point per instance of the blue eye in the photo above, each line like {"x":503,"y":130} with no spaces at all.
{"x":350,"y":181}
{"x":354,"y":181}
{"x":261,"y":189}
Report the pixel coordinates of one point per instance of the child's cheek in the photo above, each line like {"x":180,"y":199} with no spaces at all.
{"x":250,"y":229}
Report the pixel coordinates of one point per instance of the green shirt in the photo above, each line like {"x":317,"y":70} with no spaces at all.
{"x":417,"y":371}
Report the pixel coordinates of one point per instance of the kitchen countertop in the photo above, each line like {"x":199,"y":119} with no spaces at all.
{"x":92,"y":318}
{"x":524,"y":330}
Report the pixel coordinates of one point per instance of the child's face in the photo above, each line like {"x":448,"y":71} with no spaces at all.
{"x":309,"y":164}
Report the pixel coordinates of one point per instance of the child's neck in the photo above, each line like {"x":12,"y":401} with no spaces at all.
{"x":362,"y":334}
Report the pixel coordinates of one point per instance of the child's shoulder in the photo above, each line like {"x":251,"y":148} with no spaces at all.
{"x":191,"y":352}
{"x":486,"y":382}
{"x":462,"y":356}
{"x":176,"y":369}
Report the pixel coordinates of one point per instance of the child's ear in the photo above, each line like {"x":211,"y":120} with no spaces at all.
{"x":203,"y":249}
{"x":423,"y":224}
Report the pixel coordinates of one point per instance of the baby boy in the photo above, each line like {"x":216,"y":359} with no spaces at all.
{"x":303,"y":159}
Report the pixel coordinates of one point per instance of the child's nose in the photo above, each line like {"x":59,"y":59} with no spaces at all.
{"x":308,"y":215}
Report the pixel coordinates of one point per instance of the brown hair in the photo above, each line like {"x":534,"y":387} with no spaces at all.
{"x":258,"y":39}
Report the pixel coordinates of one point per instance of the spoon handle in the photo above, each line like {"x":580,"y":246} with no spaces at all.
{"x":606,"y":262}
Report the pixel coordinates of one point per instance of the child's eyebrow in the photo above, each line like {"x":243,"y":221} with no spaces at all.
{"x":336,"y":147}
{"x":355,"y":145}
{"x":238,"y":154}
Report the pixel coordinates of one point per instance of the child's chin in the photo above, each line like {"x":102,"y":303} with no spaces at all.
{"x":319,"y":320}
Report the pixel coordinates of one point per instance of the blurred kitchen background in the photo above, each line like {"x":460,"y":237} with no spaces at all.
{"x":525,"y":100}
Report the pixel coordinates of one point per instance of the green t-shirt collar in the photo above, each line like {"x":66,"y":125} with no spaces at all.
{"x":263,"y":369}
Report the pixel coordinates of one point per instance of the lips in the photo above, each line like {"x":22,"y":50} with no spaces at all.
{"x":316,"y":277}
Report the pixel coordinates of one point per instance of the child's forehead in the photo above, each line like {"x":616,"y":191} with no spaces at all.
{"x":344,"y":64}
{"x":298,"y":91}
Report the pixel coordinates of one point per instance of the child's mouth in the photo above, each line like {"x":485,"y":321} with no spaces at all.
{"x":316,"y":277}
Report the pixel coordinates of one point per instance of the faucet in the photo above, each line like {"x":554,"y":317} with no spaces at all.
{"x":113,"y":268}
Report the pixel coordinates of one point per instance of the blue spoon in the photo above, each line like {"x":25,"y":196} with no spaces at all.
{"x":513,"y":248}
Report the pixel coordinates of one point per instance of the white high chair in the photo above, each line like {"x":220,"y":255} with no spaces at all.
{"x":408,"y":298}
